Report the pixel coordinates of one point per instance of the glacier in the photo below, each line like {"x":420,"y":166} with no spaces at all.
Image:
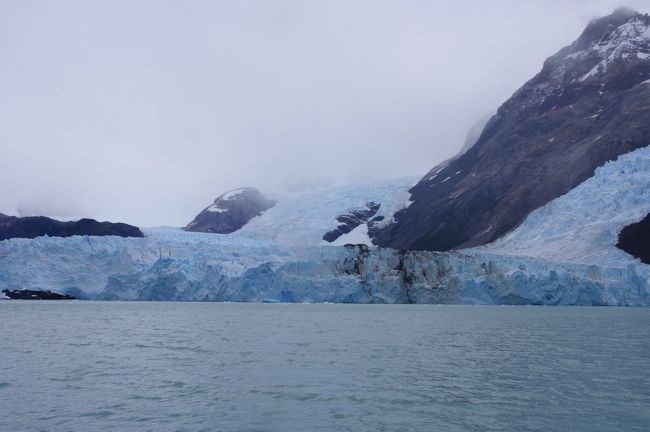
{"x":582,"y":226}
{"x":563,"y":254}
{"x":170,"y":264}
{"x":304,"y":218}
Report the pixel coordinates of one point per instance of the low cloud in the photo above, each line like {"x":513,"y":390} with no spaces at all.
{"x":144,"y":112}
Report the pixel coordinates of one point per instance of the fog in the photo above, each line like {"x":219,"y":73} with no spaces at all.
{"x":145,"y":111}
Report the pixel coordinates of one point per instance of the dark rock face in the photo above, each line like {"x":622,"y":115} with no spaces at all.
{"x":588,"y":105}
{"x":231,"y":211}
{"x":351,"y":220}
{"x":635,"y":240}
{"x":37,"y":226}
{"x":36,"y":295}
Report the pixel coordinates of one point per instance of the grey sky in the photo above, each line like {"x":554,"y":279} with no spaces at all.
{"x":144,"y":111}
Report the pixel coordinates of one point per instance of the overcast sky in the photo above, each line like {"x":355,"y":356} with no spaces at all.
{"x":145,"y":111}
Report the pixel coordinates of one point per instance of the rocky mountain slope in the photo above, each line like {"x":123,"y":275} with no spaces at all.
{"x":36,"y":226}
{"x":231,"y":211}
{"x":588,"y":105}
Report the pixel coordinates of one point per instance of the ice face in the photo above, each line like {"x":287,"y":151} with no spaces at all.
{"x":171,"y":264}
{"x":583,"y":225}
{"x":563,"y":254}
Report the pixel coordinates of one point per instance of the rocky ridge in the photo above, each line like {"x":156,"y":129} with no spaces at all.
{"x":37,"y":226}
{"x":231,"y":211}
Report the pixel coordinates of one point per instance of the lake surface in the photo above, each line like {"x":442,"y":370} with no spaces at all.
{"x":98,"y":366}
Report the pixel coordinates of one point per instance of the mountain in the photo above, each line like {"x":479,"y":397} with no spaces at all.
{"x":554,"y":194}
{"x":588,"y":105}
{"x":306,"y":218}
{"x":36,"y":226}
{"x":231,"y":211}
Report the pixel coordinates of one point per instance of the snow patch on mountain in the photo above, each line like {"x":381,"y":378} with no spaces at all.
{"x":233,"y":194}
{"x":583,"y":225}
{"x":230,"y":195}
{"x":624,"y":41}
{"x":214,"y":208}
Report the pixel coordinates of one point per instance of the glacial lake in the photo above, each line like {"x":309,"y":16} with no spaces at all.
{"x":131,"y":366}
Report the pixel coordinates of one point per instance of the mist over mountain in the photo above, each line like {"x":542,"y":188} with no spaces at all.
{"x":144,"y":112}
{"x":588,"y":105}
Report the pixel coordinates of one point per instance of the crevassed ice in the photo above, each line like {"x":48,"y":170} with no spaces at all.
{"x":170,"y":264}
{"x":582,"y":226}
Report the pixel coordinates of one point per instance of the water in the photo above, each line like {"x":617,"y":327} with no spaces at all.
{"x":91,"y":366}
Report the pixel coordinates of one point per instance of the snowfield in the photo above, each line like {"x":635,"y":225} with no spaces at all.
{"x":563,"y":254}
{"x":304,"y":219}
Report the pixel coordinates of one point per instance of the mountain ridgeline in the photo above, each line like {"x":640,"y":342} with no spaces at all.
{"x":588,"y":105}
{"x":37,"y":226}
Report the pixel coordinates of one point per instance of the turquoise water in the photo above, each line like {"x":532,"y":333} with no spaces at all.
{"x":98,"y":366}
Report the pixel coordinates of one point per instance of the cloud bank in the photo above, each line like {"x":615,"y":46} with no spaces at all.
{"x":145,"y":111}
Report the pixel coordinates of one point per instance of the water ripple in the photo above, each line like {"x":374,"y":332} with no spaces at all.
{"x":202,"y":367}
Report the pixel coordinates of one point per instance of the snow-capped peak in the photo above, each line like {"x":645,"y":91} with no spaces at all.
{"x":628,"y":41}
{"x":233,"y":194}
{"x":613,"y":52}
{"x":218,"y":205}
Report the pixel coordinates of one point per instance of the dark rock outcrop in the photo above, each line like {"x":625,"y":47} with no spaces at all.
{"x":231,"y":211}
{"x":588,"y":105}
{"x":635,"y":240}
{"x":351,"y":220}
{"x":36,"y":295}
{"x":37,"y":226}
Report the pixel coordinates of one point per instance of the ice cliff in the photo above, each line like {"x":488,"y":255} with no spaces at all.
{"x":176,"y":265}
{"x":578,"y":265}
